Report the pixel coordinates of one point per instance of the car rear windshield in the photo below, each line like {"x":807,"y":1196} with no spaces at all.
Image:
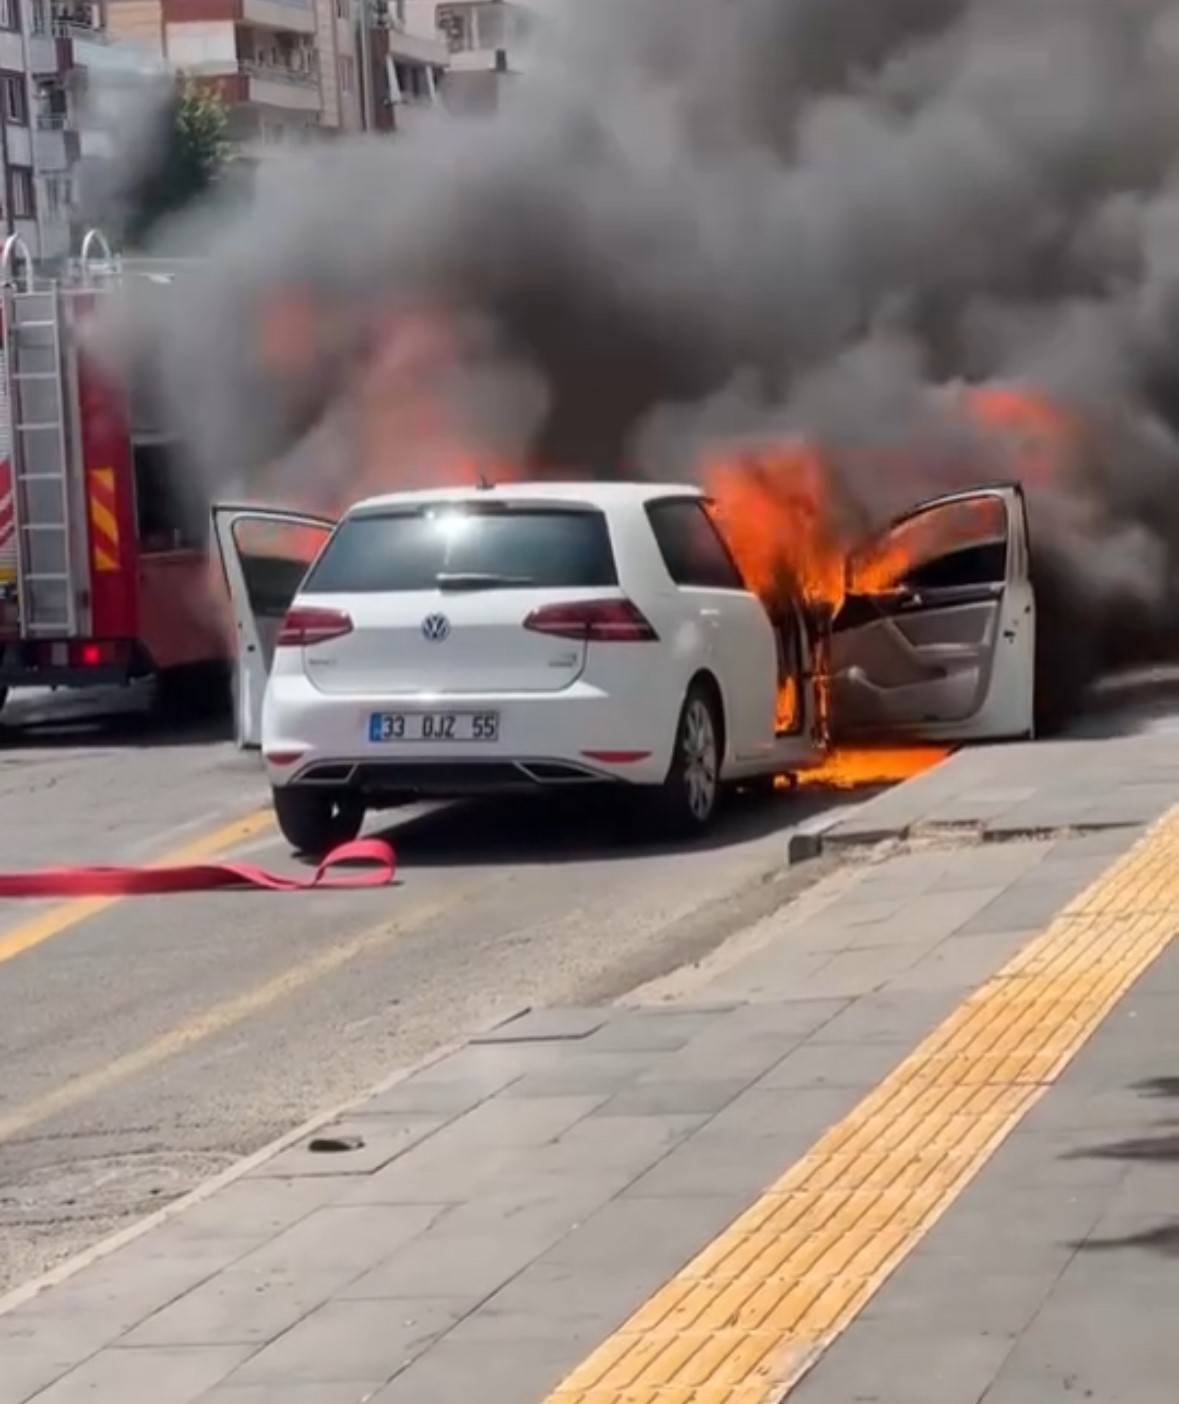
{"x":449,"y":548}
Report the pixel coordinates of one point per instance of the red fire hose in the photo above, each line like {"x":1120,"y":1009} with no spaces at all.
{"x":375,"y":860}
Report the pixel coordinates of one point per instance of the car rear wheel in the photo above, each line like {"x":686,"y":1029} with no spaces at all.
{"x":686,"y":803}
{"x":316,"y":821}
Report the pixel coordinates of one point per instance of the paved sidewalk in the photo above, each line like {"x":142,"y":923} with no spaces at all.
{"x":879,"y":1080}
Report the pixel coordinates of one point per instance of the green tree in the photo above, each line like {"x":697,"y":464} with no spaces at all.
{"x":190,"y":161}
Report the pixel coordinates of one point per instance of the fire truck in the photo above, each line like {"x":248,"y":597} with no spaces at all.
{"x":104,"y":567}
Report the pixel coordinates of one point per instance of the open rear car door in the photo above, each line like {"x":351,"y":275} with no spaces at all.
{"x":935,"y":640}
{"x":265,"y":554}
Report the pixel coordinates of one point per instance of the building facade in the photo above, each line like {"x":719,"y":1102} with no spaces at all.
{"x":292,"y":71}
{"x":486,"y":41}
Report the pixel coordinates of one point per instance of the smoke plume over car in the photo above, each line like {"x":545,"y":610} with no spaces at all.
{"x":699,"y":229}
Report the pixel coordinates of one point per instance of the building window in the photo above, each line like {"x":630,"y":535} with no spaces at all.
{"x":57,"y":195}
{"x":15,"y":99}
{"x":24,"y":206}
{"x":10,"y":14}
{"x":342,"y":9}
{"x":347,"y":73}
{"x":40,"y":18}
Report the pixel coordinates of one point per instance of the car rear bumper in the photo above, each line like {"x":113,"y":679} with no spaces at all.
{"x":577,"y":737}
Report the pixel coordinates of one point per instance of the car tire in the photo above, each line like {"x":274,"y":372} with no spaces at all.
{"x":686,"y":803}
{"x":314,"y":822}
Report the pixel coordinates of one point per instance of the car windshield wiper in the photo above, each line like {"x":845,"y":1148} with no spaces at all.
{"x":477,"y":580}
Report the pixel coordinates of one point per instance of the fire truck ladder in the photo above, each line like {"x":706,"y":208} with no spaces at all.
{"x":40,"y":447}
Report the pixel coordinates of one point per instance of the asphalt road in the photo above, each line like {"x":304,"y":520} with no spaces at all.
{"x":149,"y":1043}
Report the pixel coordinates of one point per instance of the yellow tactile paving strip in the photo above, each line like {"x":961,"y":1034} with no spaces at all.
{"x":744,"y":1321}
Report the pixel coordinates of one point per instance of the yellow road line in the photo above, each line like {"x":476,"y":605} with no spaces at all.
{"x":746,"y":1319}
{"x":219,"y":1018}
{"x":52,"y":923}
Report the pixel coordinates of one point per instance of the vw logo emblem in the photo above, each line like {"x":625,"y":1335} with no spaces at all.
{"x":436,"y":627}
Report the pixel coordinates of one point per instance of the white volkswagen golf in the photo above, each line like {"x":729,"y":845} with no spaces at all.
{"x":529,"y":636}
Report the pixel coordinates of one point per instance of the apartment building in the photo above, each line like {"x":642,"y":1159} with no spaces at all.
{"x":292,"y":71}
{"x":486,"y":41}
{"x":33,"y":147}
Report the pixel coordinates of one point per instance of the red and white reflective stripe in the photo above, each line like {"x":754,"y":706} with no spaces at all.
{"x":7,"y":525}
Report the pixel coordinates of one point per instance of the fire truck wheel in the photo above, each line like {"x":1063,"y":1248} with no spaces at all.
{"x":314,"y":822}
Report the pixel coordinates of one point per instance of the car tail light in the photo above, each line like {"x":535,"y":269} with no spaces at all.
{"x":595,"y":621}
{"x":304,"y":627}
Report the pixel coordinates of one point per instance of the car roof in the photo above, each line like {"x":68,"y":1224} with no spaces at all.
{"x":605,"y":495}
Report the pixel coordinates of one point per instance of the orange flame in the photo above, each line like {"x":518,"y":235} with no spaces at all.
{"x":773,"y":506}
{"x":854,"y":769}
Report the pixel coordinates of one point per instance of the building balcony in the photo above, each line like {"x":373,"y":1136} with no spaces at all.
{"x":481,"y":27}
{"x":267,"y":84}
{"x":275,"y":86}
{"x":50,"y":145}
{"x":294,"y":16}
{"x":291,"y":16}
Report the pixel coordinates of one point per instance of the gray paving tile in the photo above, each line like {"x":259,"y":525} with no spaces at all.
{"x":936,"y":915}
{"x":651,"y":1030}
{"x":544,"y":1025}
{"x":663,"y":1233}
{"x":1051,"y":1157}
{"x":431,"y":1177}
{"x":584,"y":1074}
{"x":781,"y":970}
{"x":1134,"y":803}
{"x":544,"y":1201}
{"x":255,"y":1207}
{"x":966,"y":1298}
{"x":673,"y":1098}
{"x":454,"y":1371}
{"x":1072,"y":1108}
{"x":603,"y":1143}
{"x":383,"y":1139}
{"x":709,"y":1165}
{"x":505,"y":1122}
{"x":590,"y":1282}
{"x":771,"y":1110}
{"x":858,"y":1066}
{"x":270,"y":1289}
{"x":319,"y":1392}
{"x":853,"y":974}
{"x":888,"y":1016}
{"x":960,"y":964}
{"x":1001,"y":1222}
{"x":1020,"y":907}
{"x":550,"y":1302}
{"x":444,"y":1099}
{"x":1103,"y":843}
{"x":98,"y":1305}
{"x":743,"y":1044}
{"x":897,"y":1361}
{"x":1112,"y":1347}
{"x":492,"y":1064}
{"x":447,"y":1266}
{"x":33,"y":1363}
{"x":165,"y":1376}
{"x":370,"y":1339}
{"x":991,"y":865}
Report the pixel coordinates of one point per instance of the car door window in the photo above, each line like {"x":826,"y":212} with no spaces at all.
{"x":692,"y":549}
{"x":950,"y":544}
{"x":275,"y":556}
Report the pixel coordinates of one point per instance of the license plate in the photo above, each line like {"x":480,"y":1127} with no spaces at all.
{"x":433,"y":726}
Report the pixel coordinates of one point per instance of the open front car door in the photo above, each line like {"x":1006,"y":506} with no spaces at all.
{"x":265,"y":554}
{"x":935,"y":639}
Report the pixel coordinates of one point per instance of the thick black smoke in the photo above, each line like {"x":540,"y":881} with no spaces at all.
{"x":703,"y":220}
